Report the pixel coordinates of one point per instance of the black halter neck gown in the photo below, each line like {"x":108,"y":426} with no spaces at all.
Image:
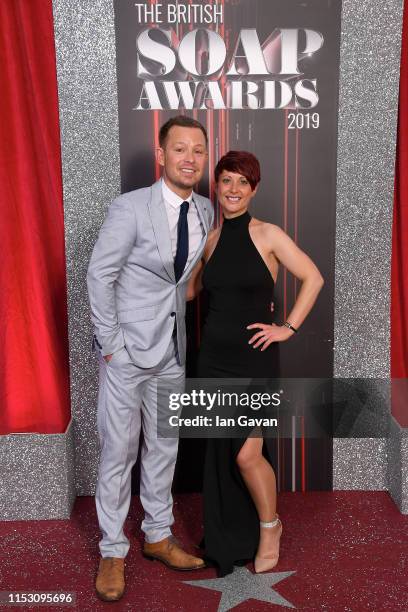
{"x":240,"y":289}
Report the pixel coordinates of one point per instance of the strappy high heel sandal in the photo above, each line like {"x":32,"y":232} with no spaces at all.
{"x":268,"y":561}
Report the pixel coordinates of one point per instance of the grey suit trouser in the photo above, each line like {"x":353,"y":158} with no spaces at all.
{"x":127,"y":402}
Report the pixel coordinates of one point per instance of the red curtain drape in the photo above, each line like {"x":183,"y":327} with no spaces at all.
{"x":34,"y":375}
{"x":399,"y":293}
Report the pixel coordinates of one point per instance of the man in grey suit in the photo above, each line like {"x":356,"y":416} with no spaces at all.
{"x":146,"y":249}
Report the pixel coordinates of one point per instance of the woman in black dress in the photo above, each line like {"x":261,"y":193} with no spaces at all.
{"x":239,"y":271}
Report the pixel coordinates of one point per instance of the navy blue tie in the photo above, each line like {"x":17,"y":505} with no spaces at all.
{"x":182,"y":241}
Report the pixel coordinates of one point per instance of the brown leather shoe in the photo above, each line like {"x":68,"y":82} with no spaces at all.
{"x":169,"y":553}
{"x":110,"y":581}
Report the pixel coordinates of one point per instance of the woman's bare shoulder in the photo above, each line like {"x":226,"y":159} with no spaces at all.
{"x":266,"y":229}
{"x":214,"y":233}
{"x":212,"y":238}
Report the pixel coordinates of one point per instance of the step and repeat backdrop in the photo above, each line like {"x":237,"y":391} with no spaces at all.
{"x":264,"y":76}
{"x":261,"y":76}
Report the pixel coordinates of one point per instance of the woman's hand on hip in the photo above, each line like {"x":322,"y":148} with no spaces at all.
{"x":268,"y":334}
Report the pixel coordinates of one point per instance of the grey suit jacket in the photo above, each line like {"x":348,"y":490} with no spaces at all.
{"x":132,"y":289}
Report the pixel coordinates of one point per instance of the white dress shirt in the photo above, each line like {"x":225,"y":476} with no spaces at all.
{"x":172,"y":202}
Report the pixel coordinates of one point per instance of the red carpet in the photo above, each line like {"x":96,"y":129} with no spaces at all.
{"x":349,"y":552}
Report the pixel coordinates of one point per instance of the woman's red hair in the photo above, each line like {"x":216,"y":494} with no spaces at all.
{"x":240,"y":162}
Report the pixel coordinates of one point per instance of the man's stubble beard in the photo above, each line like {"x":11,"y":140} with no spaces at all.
{"x":177,"y":182}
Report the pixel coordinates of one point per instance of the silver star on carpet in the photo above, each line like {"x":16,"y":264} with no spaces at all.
{"x":242,"y":585}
